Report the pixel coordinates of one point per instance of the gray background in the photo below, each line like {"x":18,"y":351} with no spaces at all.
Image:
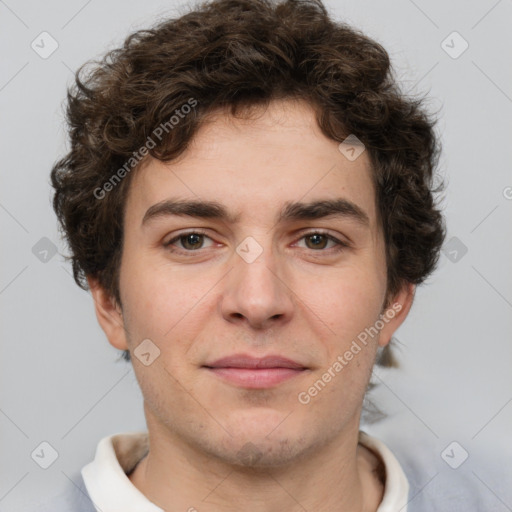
{"x":61,"y":382}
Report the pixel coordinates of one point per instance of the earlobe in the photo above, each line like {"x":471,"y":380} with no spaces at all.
{"x":109,"y":315}
{"x":396,"y":313}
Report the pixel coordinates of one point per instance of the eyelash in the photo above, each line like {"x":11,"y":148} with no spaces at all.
{"x":340,"y":245}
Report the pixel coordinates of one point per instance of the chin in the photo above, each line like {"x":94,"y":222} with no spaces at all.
{"x":261,"y":453}
{"x":262,"y":423}
{"x":263,"y":442}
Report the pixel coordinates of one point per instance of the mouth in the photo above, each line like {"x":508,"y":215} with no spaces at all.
{"x":255,"y":373}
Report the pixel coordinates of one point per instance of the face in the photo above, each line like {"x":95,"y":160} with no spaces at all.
{"x":257,"y":273}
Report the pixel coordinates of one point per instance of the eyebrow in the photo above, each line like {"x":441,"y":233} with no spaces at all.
{"x":291,"y":211}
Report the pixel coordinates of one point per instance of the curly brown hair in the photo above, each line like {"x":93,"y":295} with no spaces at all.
{"x":238,"y":54}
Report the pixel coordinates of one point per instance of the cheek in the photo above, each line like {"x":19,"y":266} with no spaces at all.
{"x":348,"y":301}
{"x":157,"y":299}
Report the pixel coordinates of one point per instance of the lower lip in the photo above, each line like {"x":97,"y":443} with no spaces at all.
{"x":256,"y":378}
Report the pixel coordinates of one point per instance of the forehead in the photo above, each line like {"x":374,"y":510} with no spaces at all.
{"x":256,"y":165}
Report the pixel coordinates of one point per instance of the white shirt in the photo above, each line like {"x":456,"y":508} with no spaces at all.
{"x":111,"y":490}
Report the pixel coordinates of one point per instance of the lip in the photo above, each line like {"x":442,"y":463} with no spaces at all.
{"x":255,"y":372}
{"x":251,"y":362}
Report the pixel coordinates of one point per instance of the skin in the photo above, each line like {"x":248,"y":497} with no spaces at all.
{"x":295,"y":300}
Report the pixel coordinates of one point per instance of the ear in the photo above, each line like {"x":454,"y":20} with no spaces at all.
{"x":396,"y":313}
{"x":109,"y":315}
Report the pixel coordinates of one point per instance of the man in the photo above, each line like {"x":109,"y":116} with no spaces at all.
{"x":248,"y":196}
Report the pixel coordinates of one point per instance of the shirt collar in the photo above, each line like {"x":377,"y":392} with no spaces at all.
{"x":111,"y":490}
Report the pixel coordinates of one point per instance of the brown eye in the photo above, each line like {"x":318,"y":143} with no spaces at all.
{"x":187,"y":242}
{"x":318,"y":241}
{"x":192,"y":241}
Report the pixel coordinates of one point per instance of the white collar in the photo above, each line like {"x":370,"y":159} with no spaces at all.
{"x":111,"y":490}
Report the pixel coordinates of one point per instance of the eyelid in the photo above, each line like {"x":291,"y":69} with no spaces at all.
{"x":194,"y":231}
{"x":340,"y":244}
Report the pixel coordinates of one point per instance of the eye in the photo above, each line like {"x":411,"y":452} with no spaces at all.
{"x":194,"y":241}
{"x":191,"y":241}
{"x":318,"y":240}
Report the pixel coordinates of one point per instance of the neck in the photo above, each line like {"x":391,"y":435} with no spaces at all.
{"x":339,"y":476}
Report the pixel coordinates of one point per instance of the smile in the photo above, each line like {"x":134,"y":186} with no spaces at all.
{"x":255,"y":373}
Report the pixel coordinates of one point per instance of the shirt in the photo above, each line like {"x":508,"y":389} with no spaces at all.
{"x":103,"y":484}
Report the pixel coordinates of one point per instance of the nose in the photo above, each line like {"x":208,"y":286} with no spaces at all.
{"x":255,"y":291}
